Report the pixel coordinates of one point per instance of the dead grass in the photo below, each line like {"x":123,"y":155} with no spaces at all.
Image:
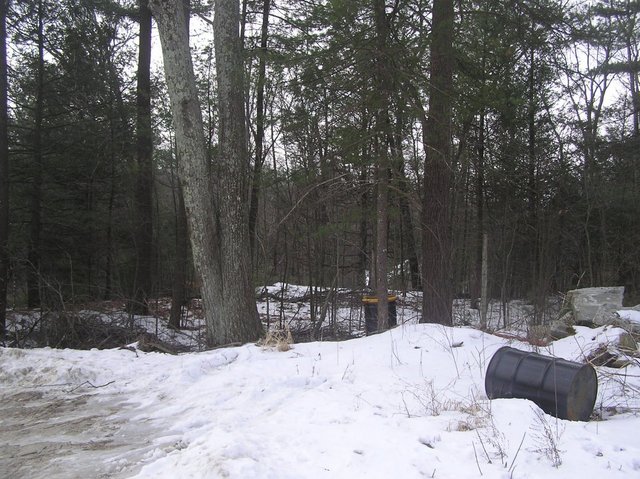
{"x":278,"y":339}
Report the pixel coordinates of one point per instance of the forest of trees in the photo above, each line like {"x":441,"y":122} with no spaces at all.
{"x":328,"y":143}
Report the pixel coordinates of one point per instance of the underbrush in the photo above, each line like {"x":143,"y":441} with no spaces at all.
{"x":103,"y":325}
{"x":74,"y":329}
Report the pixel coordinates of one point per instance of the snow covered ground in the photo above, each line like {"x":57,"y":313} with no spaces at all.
{"x":630,"y":315}
{"x":408,"y":403}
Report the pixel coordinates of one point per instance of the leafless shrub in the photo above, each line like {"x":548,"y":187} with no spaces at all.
{"x":70,"y":327}
{"x":547,"y":437}
{"x":494,"y":443}
{"x":428,"y":400}
{"x":86,"y":330}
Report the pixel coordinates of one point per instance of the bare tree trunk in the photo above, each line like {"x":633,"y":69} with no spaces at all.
{"x":484,"y":288}
{"x":476,"y":285}
{"x":259,"y":137}
{"x":403,"y":189}
{"x":633,"y":90}
{"x":218,"y":223}
{"x":536,"y":260}
{"x":119,"y":139}
{"x":243,"y":21}
{"x":437,"y":284}
{"x":33,"y":254}
{"x":193,"y":165}
{"x":240,"y":319}
{"x":382,"y":220}
{"x":143,"y":194}
{"x":178,"y":293}
{"x":109,"y":232}
{"x":179,"y":278}
{"x":363,"y":254}
{"x":4,"y":170}
{"x":383,"y":83}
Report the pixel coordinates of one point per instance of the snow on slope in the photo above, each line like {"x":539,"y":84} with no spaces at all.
{"x":403,"y":404}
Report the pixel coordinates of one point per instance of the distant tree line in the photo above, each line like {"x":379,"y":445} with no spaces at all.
{"x":367,"y":144}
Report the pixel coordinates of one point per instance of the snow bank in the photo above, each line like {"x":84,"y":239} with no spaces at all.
{"x":408,"y":403}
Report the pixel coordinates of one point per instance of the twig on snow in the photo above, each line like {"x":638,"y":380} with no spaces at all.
{"x":476,"y":456}
{"x":483,"y":448}
{"x":511,"y":468}
{"x":92,"y":385}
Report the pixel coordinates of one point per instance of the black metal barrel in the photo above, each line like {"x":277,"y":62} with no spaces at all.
{"x":371,"y":312}
{"x":559,"y":387}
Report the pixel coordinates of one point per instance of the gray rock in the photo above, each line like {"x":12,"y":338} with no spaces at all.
{"x":562,"y":328}
{"x":595,"y":306}
{"x":627,"y":343}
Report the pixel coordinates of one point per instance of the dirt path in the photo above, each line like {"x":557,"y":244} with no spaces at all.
{"x":55,"y":433}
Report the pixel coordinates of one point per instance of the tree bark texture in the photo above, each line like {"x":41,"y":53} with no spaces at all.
{"x":143,"y":194}
{"x":484,"y":288}
{"x":4,"y":170}
{"x":259,"y":136}
{"x":384,"y":133}
{"x":403,"y":187}
{"x":193,"y":165}
{"x":436,"y":228}
{"x":480,"y":226}
{"x":178,"y":290}
{"x":217,"y":222}
{"x":382,"y":220}
{"x":240,"y":320}
{"x":363,"y":252}
{"x":35,"y":226}
{"x":179,"y":279}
